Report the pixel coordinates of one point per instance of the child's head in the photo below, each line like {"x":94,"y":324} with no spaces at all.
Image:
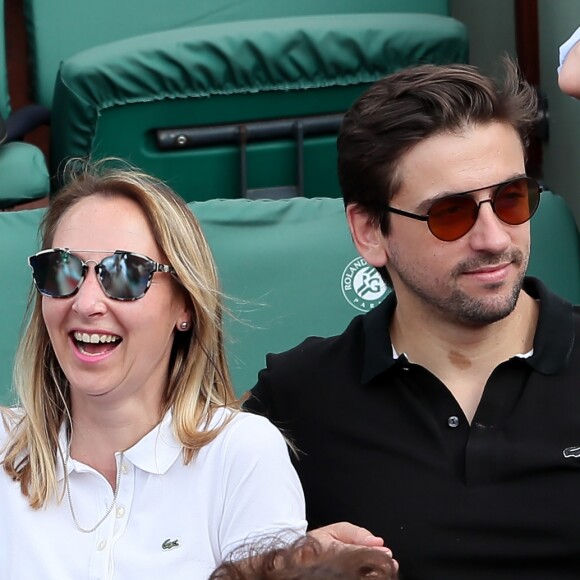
{"x":307,"y":559}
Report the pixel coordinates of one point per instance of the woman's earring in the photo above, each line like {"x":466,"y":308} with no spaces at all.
{"x":184,"y":325}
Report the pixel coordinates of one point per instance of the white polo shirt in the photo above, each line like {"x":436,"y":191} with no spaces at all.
{"x":171,"y":520}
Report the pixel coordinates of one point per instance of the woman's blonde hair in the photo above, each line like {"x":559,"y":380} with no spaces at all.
{"x":198,"y":381}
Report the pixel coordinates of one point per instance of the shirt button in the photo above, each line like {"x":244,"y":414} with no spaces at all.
{"x":124,"y":469}
{"x":102,"y":545}
{"x":120,"y":511}
{"x":453,"y":421}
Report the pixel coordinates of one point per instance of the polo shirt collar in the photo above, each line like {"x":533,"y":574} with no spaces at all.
{"x":553,"y":341}
{"x":378,"y":349}
{"x":158,"y":450}
{"x":555,"y":333}
{"x":155,"y":453}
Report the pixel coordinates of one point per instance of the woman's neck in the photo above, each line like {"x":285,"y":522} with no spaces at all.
{"x":99,"y":431}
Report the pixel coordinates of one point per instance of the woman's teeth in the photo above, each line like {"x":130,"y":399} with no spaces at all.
{"x":95,"y":338}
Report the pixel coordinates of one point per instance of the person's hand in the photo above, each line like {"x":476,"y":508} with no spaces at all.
{"x":349,"y":535}
{"x":344,"y":535}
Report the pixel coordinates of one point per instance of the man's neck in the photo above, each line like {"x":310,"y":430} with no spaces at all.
{"x":464,"y":356}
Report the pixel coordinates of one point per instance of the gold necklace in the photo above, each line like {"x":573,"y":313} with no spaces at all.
{"x":70,"y":501}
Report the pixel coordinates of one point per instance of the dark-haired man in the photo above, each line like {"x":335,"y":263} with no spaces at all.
{"x":445,"y":420}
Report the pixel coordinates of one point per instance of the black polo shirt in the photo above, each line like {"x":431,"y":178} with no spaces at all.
{"x":383,"y":444}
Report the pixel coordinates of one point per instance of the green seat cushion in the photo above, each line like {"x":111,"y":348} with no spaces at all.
{"x":55,"y":34}
{"x":18,"y":240}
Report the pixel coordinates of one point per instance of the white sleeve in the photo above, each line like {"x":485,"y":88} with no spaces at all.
{"x":567,"y":46}
{"x":262,"y":494}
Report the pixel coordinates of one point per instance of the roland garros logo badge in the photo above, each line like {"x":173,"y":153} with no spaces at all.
{"x":362,"y":286}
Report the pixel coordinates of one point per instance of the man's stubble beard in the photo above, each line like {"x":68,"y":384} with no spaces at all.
{"x":458,"y":305}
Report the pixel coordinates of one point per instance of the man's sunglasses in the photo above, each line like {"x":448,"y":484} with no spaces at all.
{"x":514,"y":202}
{"x":123,"y":275}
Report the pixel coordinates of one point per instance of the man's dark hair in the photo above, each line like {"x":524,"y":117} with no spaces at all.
{"x":405,"y":108}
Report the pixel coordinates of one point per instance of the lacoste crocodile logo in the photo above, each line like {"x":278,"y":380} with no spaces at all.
{"x":571,"y":452}
{"x":170,"y":544}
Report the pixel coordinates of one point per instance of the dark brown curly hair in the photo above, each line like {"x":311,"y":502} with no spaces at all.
{"x":307,"y":559}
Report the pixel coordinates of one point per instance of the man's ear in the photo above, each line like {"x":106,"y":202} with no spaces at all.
{"x":367,"y":236}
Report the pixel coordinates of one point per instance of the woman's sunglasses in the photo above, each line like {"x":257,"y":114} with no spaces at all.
{"x":514,"y":202}
{"x":123,"y":275}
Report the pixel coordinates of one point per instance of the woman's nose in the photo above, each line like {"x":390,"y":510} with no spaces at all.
{"x":90,"y":298}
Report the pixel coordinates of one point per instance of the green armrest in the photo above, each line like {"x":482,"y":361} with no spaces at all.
{"x":288,"y":269}
{"x":111,"y":100}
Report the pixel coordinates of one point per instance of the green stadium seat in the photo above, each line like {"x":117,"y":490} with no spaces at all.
{"x":55,"y":35}
{"x":189,"y":81}
{"x":227,"y":111}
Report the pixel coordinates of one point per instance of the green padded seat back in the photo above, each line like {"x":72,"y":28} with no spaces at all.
{"x":555,"y":253}
{"x":288,"y":268}
{"x":55,"y":33}
{"x":291,"y":270}
{"x":111,"y":100}
{"x":18,"y":240}
{"x":24,"y":174}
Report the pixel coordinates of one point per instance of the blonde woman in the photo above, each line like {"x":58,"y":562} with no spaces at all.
{"x":128,"y":456}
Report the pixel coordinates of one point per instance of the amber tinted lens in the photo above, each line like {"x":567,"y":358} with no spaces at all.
{"x":452,"y":217}
{"x":514,"y":203}
{"x":517,"y":201}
